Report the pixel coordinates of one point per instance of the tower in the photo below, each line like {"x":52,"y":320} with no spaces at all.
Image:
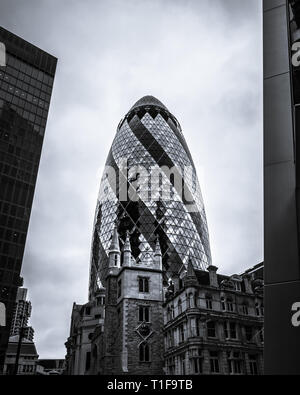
{"x":132,"y":341}
{"x":26,"y":81}
{"x":150,"y":188}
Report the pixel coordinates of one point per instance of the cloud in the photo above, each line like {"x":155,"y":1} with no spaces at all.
{"x":203,"y":60}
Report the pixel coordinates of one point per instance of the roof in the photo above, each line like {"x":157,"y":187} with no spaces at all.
{"x":148,"y":101}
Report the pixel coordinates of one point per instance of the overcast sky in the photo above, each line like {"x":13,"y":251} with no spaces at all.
{"x":203,"y":60}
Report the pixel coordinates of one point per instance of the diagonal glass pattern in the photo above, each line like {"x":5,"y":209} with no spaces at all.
{"x":151,"y":137}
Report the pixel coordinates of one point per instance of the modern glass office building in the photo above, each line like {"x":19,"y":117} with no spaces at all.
{"x":26,"y":81}
{"x":150,"y":188}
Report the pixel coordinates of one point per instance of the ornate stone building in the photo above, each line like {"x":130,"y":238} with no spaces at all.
{"x":197,"y":322}
{"x":213,"y":324}
{"x":85,"y":320}
{"x":132,"y":341}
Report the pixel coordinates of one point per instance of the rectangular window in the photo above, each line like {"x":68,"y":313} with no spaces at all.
{"x":230,"y":330}
{"x":119,"y":288}
{"x":248,"y":332}
{"x":245,"y":309}
{"x":253,"y":364}
{"x":209,"y":302}
{"x":144,"y":352}
{"x":232,"y":327}
{"x":88,"y":361}
{"x":144,"y":313}
{"x":235,"y":366}
{"x":211,"y":329}
{"x":214,"y":362}
{"x":181,"y":333}
{"x":143,"y":284}
{"x":182,"y":364}
{"x":171,"y":365}
{"x":196,"y":363}
{"x":229,"y":305}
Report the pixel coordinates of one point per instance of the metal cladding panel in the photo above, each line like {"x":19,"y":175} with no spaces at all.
{"x":276,"y":48}
{"x":282,"y":269}
{"x":278,"y":137}
{"x":282,"y":343}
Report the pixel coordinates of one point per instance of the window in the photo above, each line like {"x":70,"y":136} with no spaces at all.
{"x":182,"y":364}
{"x":144,"y":352}
{"x":211,"y":329}
{"x":208,"y":301}
{"x":100,"y":301}
{"x":245,"y":308}
{"x":198,"y":327}
{"x":170,"y":338}
{"x":181,"y":333}
{"x":214,"y":362}
{"x":235,"y":363}
{"x":171,"y":365}
{"x":230,"y":330}
{"x":172,"y":312}
{"x":180,"y":283}
{"x":253,"y":364}
{"x":116,"y":260}
{"x":229,"y":304}
{"x":87,"y":310}
{"x":257,"y":309}
{"x":144,"y":313}
{"x":119,"y":288}
{"x":248,"y":332}
{"x":169,"y":314}
{"x":261,"y":334}
{"x":223,"y":307}
{"x":196,"y":361}
{"x":88,"y":361}
{"x":237,"y":286}
{"x":179,"y":307}
{"x":143,"y":284}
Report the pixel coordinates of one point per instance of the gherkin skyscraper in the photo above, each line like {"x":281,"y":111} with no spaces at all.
{"x":150,"y":189}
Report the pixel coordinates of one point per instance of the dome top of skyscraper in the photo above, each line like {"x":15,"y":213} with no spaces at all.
{"x":148,"y":101}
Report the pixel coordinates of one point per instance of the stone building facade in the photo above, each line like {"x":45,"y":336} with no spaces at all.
{"x":197,"y":322}
{"x":213,"y":324}
{"x":132,"y":341}
{"x":27,"y":360}
{"x":85,"y":320}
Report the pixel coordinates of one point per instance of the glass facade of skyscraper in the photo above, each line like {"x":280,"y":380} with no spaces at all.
{"x":26,"y":82}
{"x":149,"y":142}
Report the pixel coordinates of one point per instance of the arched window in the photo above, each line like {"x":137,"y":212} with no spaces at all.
{"x":144,"y":352}
{"x":179,"y":305}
